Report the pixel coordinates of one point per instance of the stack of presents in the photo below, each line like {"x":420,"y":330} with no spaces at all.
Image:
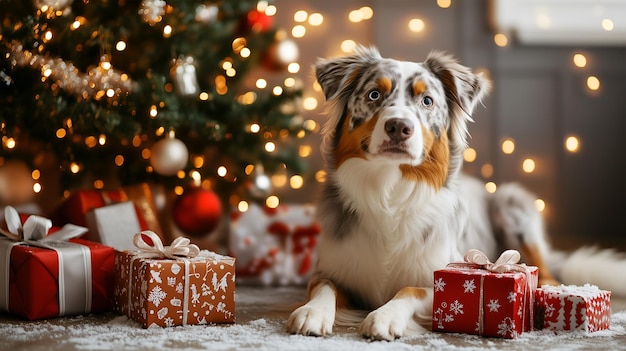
{"x":103,"y":251}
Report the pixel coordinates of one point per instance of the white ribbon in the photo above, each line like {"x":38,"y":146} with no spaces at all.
{"x":35,"y":229}
{"x":181,"y":249}
{"x":506,"y":263}
{"x":74,"y":276}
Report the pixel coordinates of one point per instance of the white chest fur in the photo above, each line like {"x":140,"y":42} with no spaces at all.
{"x":405,"y":230}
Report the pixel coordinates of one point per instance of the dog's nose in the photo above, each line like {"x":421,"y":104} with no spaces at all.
{"x":399,"y":129}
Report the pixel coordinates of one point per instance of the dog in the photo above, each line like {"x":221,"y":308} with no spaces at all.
{"x":396,"y":205}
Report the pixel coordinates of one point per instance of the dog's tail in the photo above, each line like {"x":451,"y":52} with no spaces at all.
{"x":591,"y":265}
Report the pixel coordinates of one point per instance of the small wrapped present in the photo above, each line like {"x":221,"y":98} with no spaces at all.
{"x":74,"y":209}
{"x":113,"y":225}
{"x":569,"y":307}
{"x":274,"y":246}
{"x":484,"y":298}
{"x":48,"y":273}
{"x":173,"y":285}
{"x":112,"y":217}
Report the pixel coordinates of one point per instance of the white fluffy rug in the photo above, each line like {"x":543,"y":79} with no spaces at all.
{"x":262,"y":334}
{"x":260,"y":326}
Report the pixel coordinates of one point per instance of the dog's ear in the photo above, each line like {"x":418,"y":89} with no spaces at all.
{"x":335,"y":74}
{"x":463,"y":89}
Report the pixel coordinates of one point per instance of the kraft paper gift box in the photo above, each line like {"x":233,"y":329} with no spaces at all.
{"x":484,"y":298}
{"x":274,"y":246}
{"x":568,"y":308}
{"x":173,"y":285}
{"x":46,"y":273}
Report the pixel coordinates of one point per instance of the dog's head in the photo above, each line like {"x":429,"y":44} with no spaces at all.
{"x":413,"y":115}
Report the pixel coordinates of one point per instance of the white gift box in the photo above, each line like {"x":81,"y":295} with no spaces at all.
{"x":113,"y":225}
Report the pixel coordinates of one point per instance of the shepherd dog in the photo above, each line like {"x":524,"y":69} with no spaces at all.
{"x":396,"y":205}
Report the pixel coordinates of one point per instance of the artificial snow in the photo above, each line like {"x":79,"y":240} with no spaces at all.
{"x":120,"y":333}
{"x":265,"y":331}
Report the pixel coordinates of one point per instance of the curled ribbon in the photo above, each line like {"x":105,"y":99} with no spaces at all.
{"x":181,"y":247}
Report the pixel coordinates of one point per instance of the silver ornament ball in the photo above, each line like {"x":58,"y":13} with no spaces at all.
{"x":169,"y":156}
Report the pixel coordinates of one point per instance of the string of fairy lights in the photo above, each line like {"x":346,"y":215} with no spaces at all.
{"x":105,"y":82}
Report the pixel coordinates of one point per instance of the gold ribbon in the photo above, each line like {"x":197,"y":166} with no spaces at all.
{"x":506,"y":263}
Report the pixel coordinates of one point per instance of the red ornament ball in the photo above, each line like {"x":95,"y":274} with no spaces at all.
{"x":259,"y":22}
{"x":197,"y":212}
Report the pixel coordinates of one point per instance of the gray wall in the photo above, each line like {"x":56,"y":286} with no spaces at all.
{"x":539,"y":98}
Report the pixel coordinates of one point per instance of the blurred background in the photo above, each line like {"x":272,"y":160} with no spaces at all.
{"x":554,"y":122}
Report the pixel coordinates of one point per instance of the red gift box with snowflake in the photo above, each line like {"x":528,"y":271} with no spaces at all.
{"x":274,"y":246}
{"x":568,"y":307}
{"x":173,"y":285}
{"x":484,"y":298}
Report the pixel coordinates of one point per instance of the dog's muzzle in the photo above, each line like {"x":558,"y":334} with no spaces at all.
{"x":399,"y":129}
{"x":398,"y":134}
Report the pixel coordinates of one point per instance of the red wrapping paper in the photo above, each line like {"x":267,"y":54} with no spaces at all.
{"x":74,"y":208}
{"x":568,"y":308}
{"x":34,"y":282}
{"x":476,"y":301}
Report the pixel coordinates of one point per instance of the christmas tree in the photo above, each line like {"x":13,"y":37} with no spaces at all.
{"x":118,"y":92}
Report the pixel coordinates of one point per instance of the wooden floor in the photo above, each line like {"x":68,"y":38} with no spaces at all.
{"x":261,"y":314}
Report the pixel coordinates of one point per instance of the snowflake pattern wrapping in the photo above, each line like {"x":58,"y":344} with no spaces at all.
{"x":274,"y":246}
{"x":567,"y":308}
{"x":167,"y":292}
{"x":476,"y":301}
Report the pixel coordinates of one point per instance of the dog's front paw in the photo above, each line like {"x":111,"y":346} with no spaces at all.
{"x":309,"y":320}
{"x":383,"y":324}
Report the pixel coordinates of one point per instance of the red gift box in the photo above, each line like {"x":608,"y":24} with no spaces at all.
{"x":274,"y":246}
{"x":162,"y":286}
{"x":567,"y":308}
{"x":65,"y":278}
{"x":469,"y":298}
{"x":74,"y":209}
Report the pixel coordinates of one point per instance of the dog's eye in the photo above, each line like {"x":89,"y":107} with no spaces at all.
{"x":374,"y":95}
{"x":427,"y":101}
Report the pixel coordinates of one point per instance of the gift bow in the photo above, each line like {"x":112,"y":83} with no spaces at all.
{"x":507,"y":262}
{"x":35,"y":229}
{"x":181,"y":247}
